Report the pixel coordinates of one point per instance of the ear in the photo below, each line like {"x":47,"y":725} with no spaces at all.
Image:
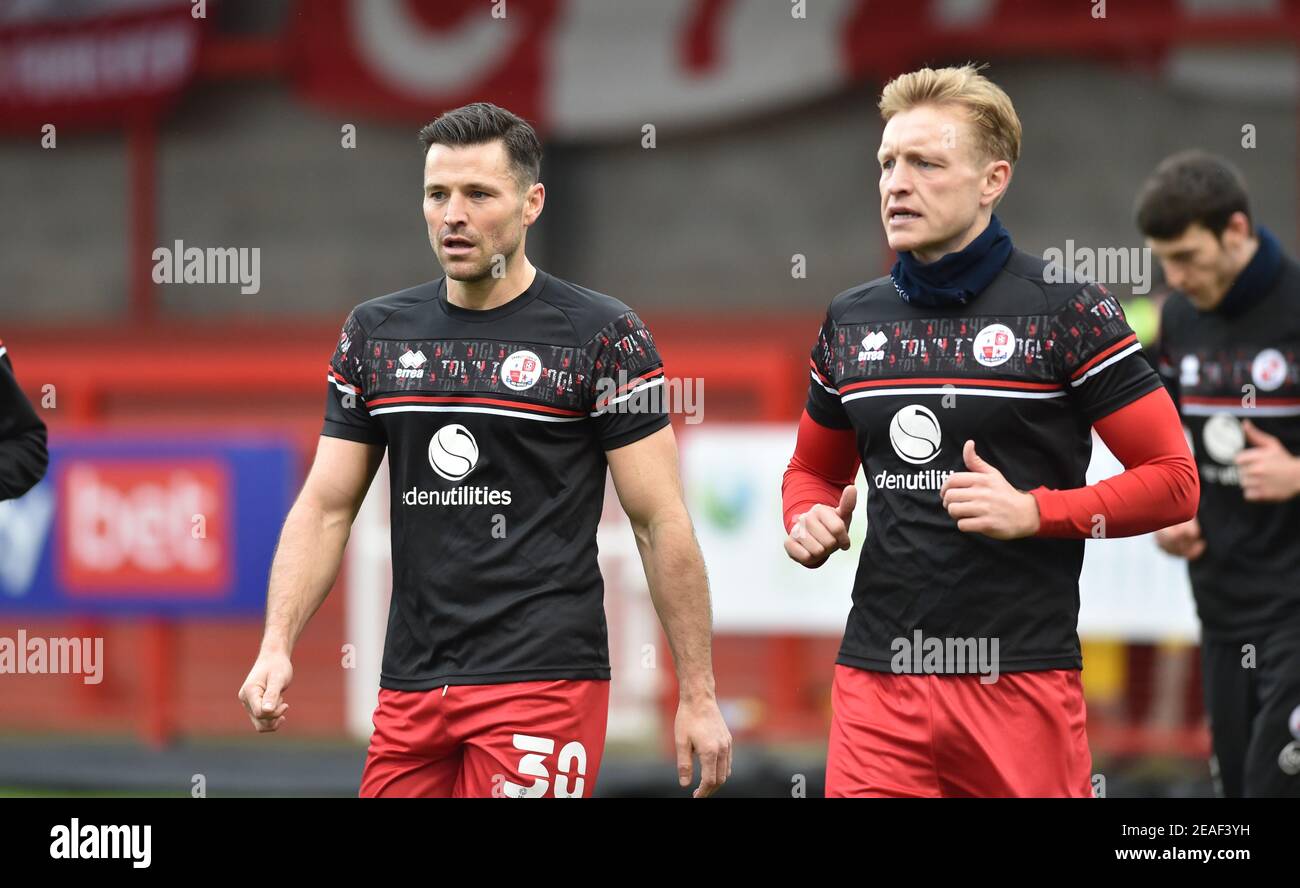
{"x":534,"y":200}
{"x":997,"y":178}
{"x":1239,"y":225}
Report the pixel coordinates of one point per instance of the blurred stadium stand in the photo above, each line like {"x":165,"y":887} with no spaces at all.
{"x":244,"y":150}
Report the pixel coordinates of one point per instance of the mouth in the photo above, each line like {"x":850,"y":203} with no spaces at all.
{"x":454,"y":245}
{"x":902,"y":215}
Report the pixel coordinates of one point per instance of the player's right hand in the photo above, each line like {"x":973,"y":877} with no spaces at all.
{"x":1182,"y":540}
{"x":264,"y":688}
{"x":822,"y":530}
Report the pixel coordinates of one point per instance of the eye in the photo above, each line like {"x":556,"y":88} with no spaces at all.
{"x":924,"y":164}
{"x":477,"y":194}
{"x":436,"y":195}
{"x":888,"y":164}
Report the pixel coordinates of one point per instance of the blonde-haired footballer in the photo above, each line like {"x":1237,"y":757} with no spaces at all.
{"x":967,"y":385}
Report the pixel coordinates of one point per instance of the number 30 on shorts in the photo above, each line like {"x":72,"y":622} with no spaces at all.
{"x":571,"y":763}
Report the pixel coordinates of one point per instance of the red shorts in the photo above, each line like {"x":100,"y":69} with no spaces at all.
{"x":948,"y":735}
{"x":520,"y":740}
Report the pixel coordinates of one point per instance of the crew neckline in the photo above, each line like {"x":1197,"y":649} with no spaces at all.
{"x":482,"y":315}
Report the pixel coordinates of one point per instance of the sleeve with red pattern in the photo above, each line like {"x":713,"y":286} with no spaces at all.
{"x":1160,"y":486}
{"x":346,"y":413}
{"x":825,"y":462}
{"x":1098,"y":354}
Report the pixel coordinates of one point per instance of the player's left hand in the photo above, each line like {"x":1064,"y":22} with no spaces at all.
{"x":1268,"y":471}
{"x":700,"y":730}
{"x":984,"y":502}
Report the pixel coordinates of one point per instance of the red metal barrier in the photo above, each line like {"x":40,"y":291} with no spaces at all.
{"x":177,"y":678}
{"x":220,"y":376}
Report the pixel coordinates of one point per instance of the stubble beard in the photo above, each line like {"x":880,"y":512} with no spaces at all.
{"x":484,"y":271}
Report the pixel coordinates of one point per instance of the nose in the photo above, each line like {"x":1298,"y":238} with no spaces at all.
{"x":1174,"y":276}
{"x":453,"y":215}
{"x":895,"y":184}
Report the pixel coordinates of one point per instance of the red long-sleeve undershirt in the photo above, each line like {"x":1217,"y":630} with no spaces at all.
{"x":825,"y":462}
{"x":1159,"y":486}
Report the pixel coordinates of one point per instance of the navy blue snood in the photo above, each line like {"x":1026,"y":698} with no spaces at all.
{"x":1255,"y":280}
{"x":957,"y":278}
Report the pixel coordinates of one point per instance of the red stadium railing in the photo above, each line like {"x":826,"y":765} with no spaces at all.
{"x":181,"y":677}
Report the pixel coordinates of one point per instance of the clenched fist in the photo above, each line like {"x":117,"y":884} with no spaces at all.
{"x":983,"y":501}
{"x":1182,"y":540}
{"x":821,"y":530}
{"x":263,"y":689}
{"x":1268,"y":471}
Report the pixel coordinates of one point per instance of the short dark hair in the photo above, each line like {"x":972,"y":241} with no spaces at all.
{"x":483,"y":122}
{"x":1191,"y":187}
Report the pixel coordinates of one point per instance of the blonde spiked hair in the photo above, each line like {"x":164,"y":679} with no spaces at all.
{"x":997,"y":127}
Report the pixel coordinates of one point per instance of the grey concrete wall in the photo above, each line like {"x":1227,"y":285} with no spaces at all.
{"x":62,"y":228}
{"x":704,"y":220}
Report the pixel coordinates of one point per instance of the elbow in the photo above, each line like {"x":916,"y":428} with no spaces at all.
{"x":792,"y":471}
{"x":642,"y":532}
{"x":668,"y":521}
{"x":321,"y":515}
{"x":1187,"y":481}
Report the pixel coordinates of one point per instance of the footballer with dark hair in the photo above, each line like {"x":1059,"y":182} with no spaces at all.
{"x":501,"y":394}
{"x":1229,"y":353}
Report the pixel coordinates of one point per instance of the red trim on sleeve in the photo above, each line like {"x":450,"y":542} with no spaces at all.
{"x":1160,"y":486}
{"x":1104,"y":354}
{"x":340,"y":380}
{"x":637,"y":380}
{"x":825,"y":462}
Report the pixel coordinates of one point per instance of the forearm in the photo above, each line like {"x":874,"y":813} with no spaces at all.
{"x":1142,"y":499}
{"x":679,"y":588}
{"x":306,"y":563}
{"x":1160,"y":487}
{"x":825,"y":462}
{"x":802,"y":488}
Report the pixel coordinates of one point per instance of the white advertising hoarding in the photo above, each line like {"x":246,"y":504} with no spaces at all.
{"x":1129,"y":588}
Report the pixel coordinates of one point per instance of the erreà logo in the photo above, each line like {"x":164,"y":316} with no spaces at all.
{"x":453,"y":452}
{"x":411,"y":363}
{"x":873,"y":346}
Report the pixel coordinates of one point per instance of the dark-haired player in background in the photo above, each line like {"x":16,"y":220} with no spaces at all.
{"x":968,"y":385}
{"x":23,"y":453}
{"x":1230,"y":354}
{"x":501,"y":394}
